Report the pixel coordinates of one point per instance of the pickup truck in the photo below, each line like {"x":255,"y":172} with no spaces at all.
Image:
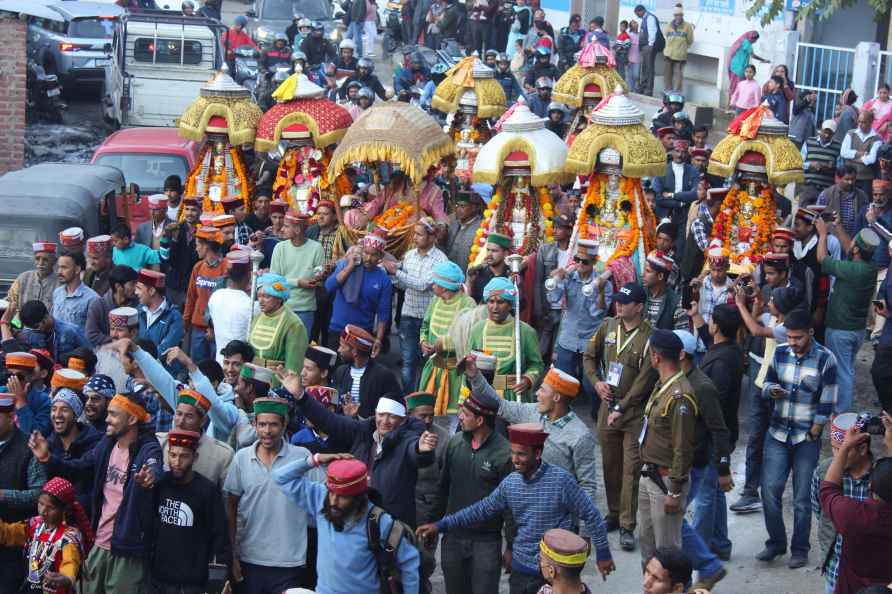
{"x":158,"y":62}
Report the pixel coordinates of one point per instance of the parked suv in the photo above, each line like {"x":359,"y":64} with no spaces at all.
{"x":72,"y":47}
{"x":268,"y":17}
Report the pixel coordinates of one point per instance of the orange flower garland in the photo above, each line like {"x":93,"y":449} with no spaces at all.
{"x":396,"y":216}
{"x":208,"y":205}
{"x":630,"y":190}
{"x":763,"y":219}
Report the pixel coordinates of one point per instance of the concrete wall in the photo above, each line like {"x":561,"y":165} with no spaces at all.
{"x":13,"y":92}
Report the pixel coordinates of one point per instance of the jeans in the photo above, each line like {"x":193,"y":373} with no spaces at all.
{"x":200,"y":346}
{"x":844,"y":344}
{"x":410,"y":349}
{"x":260,"y":579}
{"x":779,"y":459}
{"x":570,"y":362}
{"x":758,"y":417}
{"x":307,"y":317}
{"x":354,"y":32}
{"x":523,"y":583}
{"x":710,"y":511}
{"x":697,"y":549}
{"x":471,"y":566}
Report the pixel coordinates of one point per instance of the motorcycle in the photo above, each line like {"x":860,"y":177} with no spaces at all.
{"x":246,"y":67}
{"x":44,"y":94}
{"x":268,"y":81}
{"x":393,"y":27}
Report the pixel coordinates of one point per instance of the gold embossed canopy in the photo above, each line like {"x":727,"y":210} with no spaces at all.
{"x":617,"y":124}
{"x":757,"y":142}
{"x":470,"y":83}
{"x":396,"y":132}
{"x":229,"y":105}
{"x":593,"y":76}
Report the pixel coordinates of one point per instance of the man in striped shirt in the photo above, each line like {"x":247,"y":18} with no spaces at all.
{"x":541,"y":496}
{"x":801,"y":379}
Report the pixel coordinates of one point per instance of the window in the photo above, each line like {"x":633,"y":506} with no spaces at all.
{"x":167,"y":51}
{"x":148,"y":171}
{"x":92,"y":28}
{"x":316,"y":10}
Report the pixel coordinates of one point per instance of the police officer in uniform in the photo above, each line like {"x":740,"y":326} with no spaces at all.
{"x":667,"y":441}
{"x":617,"y":365}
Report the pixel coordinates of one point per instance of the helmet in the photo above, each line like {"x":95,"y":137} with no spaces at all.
{"x":367,"y":93}
{"x":680,"y":116}
{"x":241,"y":21}
{"x":439,"y":68}
{"x":347,"y":44}
{"x":503,"y":57}
{"x":543,"y":82}
{"x":672,"y":96}
{"x":304,"y":22}
{"x":280,"y":37}
{"x":317,"y":26}
{"x":491,"y":53}
{"x":556,"y":106}
{"x":367,"y":64}
{"x":543,"y":51}
{"x":298,"y":55}
{"x":354,"y":83}
{"x":416,"y":58}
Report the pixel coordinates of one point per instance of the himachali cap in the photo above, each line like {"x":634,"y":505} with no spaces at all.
{"x":563,"y":220}
{"x":630,"y":293}
{"x":842,"y":423}
{"x":807,"y":214}
{"x":209,"y":234}
{"x":416,"y":399}
{"x":779,"y":261}
{"x":373,"y":241}
{"x":527,"y":434}
{"x":295,"y":217}
{"x":276,"y":406}
{"x":77,"y":364}
{"x":99,"y":245}
{"x":391,"y":407}
{"x":882,"y":185}
{"x":717,"y":254}
{"x":230,"y":203}
{"x":324,"y":395}
{"x":323,"y":357}
{"x":158,"y":202}
{"x":43,"y":247}
{"x":679,"y":144}
{"x":7,"y":404}
{"x":499,"y":239}
{"x":867,"y":239}
{"x":257,"y":373}
{"x":699,"y":153}
{"x":347,"y":477}
{"x":238,"y":259}
{"x":783,"y":233}
{"x":123,"y":317}
{"x":564,"y":548}
{"x":358,"y":338}
{"x":500,"y":288}
{"x":68,"y":378}
{"x":206,"y":219}
{"x":21,"y":361}
{"x":661,"y":132}
{"x":327,"y":204}
{"x":195,"y":399}
{"x":191,"y":201}
{"x":484,"y":361}
{"x":482,"y":404}
{"x":184,"y":439}
{"x":151,"y":278}
{"x":586,"y":249}
{"x":224,"y":220}
{"x":661,"y":260}
{"x":561,"y":382}
{"x":278,"y":206}
{"x":71,"y":237}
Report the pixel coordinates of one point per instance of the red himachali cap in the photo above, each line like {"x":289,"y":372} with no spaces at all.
{"x":151,"y":278}
{"x":347,"y":477}
{"x":527,"y":434}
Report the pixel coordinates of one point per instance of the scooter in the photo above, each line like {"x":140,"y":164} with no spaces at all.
{"x":269,"y":82}
{"x":246,"y":67}
{"x":44,"y":96}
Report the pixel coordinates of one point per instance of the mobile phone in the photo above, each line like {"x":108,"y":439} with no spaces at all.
{"x":828,"y":216}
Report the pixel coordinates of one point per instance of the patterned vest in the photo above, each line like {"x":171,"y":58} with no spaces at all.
{"x":865,"y":172}
{"x":821,"y":154}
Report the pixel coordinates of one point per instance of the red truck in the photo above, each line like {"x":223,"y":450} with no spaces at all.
{"x":146,"y":156}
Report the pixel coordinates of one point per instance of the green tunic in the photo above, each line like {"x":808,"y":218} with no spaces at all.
{"x":439,"y":376}
{"x":498,"y":339}
{"x":279,"y":339}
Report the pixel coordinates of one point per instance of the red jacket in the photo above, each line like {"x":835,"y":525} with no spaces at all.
{"x":232,"y":40}
{"x":202,"y":283}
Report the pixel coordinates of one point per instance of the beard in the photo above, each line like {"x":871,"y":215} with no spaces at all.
{"x":338,"y":517}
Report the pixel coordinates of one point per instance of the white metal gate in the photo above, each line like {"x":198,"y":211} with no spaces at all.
{"x":826,"y":69}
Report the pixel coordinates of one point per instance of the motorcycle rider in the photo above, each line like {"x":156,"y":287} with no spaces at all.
{"x":364,"y":70}
{"x":557,"y":114}
{"x":346,"y":62}
{"x":188,"y":8}
{"x":236,"y":37}
{"x":541,"y":68}
{"x":540,"y":101}
{"x":297,"y":31}
{"x":507,"y":79}
{"x":278,"y":53}
{"x":673,"y":102}
{"x":210,"y":9}
{"x":416,"y":74}
{"x":365,"y":98}
{"x":352,"y":91}
{"x":317,"y":48}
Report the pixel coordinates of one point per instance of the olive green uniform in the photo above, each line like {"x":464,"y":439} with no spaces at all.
{"x":619,"y":443}
{"x":668,"y":440}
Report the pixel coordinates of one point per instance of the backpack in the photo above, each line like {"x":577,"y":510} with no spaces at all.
{"x":659,"y":40}
{"x":389,"y":575}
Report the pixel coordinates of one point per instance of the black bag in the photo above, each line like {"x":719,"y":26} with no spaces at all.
{"x":659,"y":40}
{"x":389,"y":576}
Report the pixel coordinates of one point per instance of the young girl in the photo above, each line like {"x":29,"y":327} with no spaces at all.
{"x":56,"y":540}
{"x":881,"y":107}
{"x":747,"y":93}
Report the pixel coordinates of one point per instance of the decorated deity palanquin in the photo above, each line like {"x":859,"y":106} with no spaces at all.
{"x":612,"y":154}
{"x":307,"y":126}
{"x":223,"y":118}
{"x":759,"y":157}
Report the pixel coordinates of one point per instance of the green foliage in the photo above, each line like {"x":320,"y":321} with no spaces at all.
{"x":821,"y":9}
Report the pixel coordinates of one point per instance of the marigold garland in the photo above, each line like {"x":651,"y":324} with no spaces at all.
{"x":630,"y":191}
{"x":208,"y":205}
{"x":763,"y":219}
{"x":396,"y":216}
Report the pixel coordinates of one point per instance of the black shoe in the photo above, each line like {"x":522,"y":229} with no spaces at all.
{"x":797,"y":560}
{"x":724,"y":556}
{"x":611,"y":523}
{"x":626,"y":539}
{"x":768,"y":554}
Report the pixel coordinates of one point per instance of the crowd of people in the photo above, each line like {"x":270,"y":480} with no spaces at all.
{"x":229,"y":398}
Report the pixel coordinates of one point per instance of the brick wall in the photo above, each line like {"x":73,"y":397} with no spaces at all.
{"x":13,"y":61}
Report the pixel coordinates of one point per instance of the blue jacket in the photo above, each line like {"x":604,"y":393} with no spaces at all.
{"x":82,"y":480}
{"x":136,"y":506}
{"x":166,"y":332}
{"x":356,"y":569}
{"x":65,"y":338}
{"x":676,"y":207}
{"x":36,"y":415}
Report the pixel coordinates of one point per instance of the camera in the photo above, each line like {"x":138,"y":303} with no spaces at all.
{"x":873,"y":424}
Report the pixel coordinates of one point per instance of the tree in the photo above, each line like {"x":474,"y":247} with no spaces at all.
{"x":821,"y":9}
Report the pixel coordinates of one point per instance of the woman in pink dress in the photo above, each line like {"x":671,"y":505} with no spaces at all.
{"x":881,"y":106}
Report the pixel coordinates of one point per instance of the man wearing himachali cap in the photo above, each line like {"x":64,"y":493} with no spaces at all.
{"x":297,"y":259}
{"x":99,"y":263}
{"x":495,"y":335}
{"x":150,"y":232}
{"x":341,"y":509}
{"x":38,"y":283}
{"x":540,"y":496}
